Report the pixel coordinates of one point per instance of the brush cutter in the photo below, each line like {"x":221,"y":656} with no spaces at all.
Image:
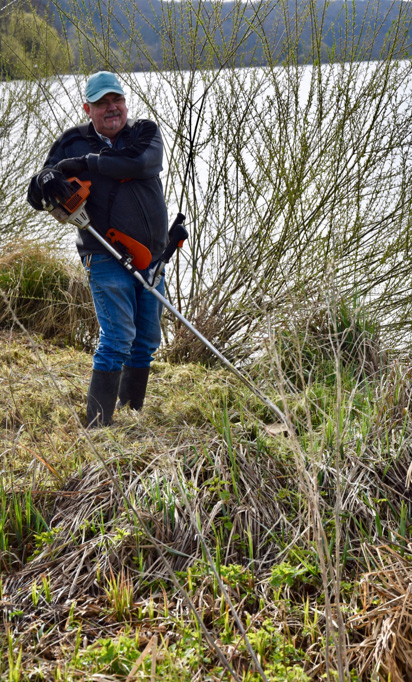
{"x":134,"y":256}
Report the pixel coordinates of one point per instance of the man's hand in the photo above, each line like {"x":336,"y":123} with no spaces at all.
{"x":153,"y":277}
{"x":72,"y":167}
{"x":53,"y":184}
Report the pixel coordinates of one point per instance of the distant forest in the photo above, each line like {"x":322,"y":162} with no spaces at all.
{"x":146,"y":34}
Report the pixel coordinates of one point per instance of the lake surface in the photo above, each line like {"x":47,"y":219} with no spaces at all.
{"x":312,"y":161}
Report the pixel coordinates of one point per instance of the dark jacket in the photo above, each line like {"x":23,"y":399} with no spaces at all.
{"x":126,"y":192}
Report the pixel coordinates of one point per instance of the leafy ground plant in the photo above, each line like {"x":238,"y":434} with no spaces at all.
{"x":182,"y":543}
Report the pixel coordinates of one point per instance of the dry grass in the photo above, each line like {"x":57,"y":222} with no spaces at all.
{"x":382,"y":627}
{"x":47,"y":293}
{"x":191,"y":485}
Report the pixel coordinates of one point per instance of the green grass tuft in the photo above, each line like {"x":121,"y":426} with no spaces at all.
{"x":46,"y":293}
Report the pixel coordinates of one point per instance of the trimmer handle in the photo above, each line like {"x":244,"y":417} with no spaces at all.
{"x":179,"y":220}
{"x":177,"y":235}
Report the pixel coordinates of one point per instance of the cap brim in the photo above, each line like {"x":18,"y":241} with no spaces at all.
{"x":105,"y":91}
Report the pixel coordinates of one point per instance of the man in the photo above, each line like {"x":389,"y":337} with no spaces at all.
{"x":122,"y":158}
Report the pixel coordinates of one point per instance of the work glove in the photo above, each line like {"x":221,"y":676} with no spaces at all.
{"x":53,"y":184}
{"x":152,"y":278}
{"x":72,"y":167}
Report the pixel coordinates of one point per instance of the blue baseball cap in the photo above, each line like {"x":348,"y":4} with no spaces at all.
{"x":100,"y":84}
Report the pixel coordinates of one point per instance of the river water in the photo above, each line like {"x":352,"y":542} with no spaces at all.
{"x":309,"y":166}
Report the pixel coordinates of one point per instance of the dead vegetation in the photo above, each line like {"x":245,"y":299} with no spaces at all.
{"x":382,"y":627}
{"x":46,"y":293}
{"x":190,"y":518}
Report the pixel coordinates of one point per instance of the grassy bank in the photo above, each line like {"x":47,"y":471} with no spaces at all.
{"x":198,"y":539}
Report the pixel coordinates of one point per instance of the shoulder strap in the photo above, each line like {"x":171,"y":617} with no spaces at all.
{"x":131,"y":122}
{"x":86,"y":130}
{"x":83,"y":129}
{"x":126,"y":133}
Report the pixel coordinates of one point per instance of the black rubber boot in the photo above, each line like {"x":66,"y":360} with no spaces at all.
{"x":133,"y":385}
{"x":101,"y":398}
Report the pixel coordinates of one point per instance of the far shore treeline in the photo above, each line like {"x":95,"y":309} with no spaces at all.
{"x":44,"y":37}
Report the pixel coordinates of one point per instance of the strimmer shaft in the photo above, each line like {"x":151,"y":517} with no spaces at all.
{"x":127,"y":264}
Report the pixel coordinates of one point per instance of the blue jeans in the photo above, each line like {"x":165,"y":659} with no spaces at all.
{"x":128,"y":315}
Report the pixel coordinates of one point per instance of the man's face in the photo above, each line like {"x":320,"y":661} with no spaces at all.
{"x":109,"y":114}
